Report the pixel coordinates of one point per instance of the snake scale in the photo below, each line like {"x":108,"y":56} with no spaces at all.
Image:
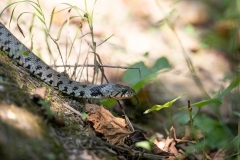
{"x":17,"y":51}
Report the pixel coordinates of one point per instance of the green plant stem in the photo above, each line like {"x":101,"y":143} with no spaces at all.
{"x":193,"y":130}
{"x":171,"y":119}
{"x":188,"y":60}
{"x":190,"y":113}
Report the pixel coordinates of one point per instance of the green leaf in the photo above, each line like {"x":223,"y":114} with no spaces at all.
{"x":109,"y":102}
{"x":84,"y":116}
{"x":152,"y":138}
{"x":166,"y":105}
{"x":203,"y":103}
{"x":25,"y":53}
{"x":236,"y":113}
{"x":146,"y":54}
{"x":215,"y":131}
{"x":234,"y":84}
{"x":144,"y":144}
{"x":217,"y":100}
{"x":132,"y":76}
{"x":44,"y":104}
{"x":144,"y":81}
{"x":160,"y":64}
{"x":189,"y":29}
{"x":62,"y":26}
{"x":47,"y":111}
{"x":51,"y":18}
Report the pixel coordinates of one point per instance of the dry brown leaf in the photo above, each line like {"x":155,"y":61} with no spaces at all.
{"x":173,"y":149}
{"x":167,"y":144}
{"x":114,"y":129}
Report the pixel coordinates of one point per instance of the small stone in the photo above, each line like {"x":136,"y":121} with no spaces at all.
{"x":41,"y":92}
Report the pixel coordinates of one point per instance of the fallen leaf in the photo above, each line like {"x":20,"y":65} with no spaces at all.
{"x":113,"y":129}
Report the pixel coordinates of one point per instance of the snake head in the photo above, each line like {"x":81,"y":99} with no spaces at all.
{"x":117,"y":91}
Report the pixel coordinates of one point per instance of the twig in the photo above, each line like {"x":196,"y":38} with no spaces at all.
{"x":92,"y":65}
{"x":126,"y":117}
{"x":134,"y":152}
{"x":72,"y":109}
{"x":187,"y":59}
{"x":105,"y":40}
{"x":97,"y":60}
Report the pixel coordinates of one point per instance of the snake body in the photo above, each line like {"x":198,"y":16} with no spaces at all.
{"x":17,"y":51}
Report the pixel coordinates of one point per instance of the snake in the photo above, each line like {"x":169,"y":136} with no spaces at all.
{"x":18,"y":52}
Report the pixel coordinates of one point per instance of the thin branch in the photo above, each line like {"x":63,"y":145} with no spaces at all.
{"x":105,"y":40}
{"x":72,"y":109}
{"x":92,"y":65}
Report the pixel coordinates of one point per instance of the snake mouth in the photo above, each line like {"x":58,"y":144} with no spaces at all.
{"x":126,"y":93}
{"x":116,"y":95}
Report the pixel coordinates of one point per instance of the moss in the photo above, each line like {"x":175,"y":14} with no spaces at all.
{"x":24,"y":134}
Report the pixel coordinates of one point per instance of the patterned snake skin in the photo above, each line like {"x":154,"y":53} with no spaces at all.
{"x":10,"y":45}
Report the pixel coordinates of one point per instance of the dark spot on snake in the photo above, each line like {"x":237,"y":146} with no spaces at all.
{"x":18,"y":58}
{"x":72,"y":93}
{"x":84,"y":85}
{"x":11,"y":56}
{"x":50,"y":82}
{"x":75,"y":88}
{"x":9,"y":34}
{"x":82,"y":93}
{"x":38,"y":67}
{"x":39,"y":74}
{"x":27,"y":59}
{"x":59,"y":82}
{"x":116,"y":94}
{"x":59,"y":75}
{"x":17,"y":43}
{"x":96,"y":91}
{"x":49,"y":75}
{"x":28,"y":66}
{"x":65,"y":89}
{"x":1,"y":33}
{"x":8,"y":49}
{"x":70,"y":82}
{"x":47,"y":67}
{"x":38,"y":59}
{"x":7,"y":42}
